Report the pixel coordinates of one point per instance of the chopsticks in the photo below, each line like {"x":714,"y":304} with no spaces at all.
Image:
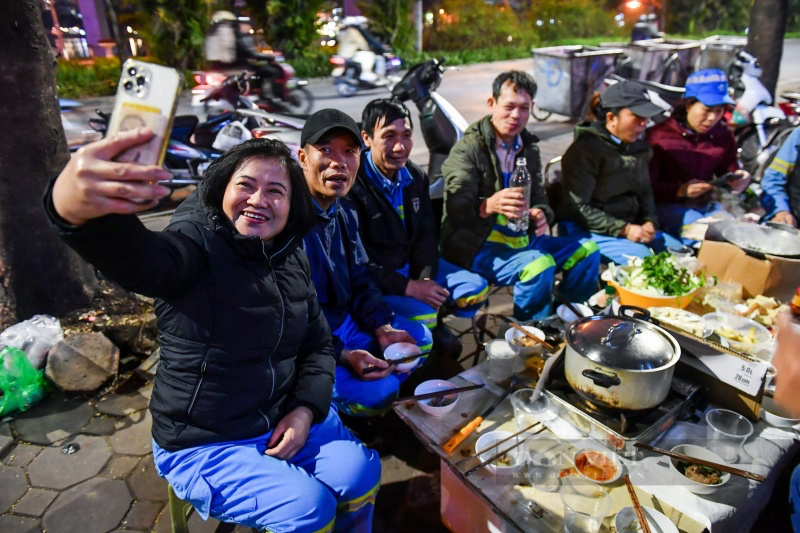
{"x":636,"y":506}
{"x":499,"y":454}
{"x":702,"y":462}
{"x":566,"y":302}
{"x":436,"y":394}
{"x":497,"y":443}
{"x":400,"y":361}
{"x":527,"y":333}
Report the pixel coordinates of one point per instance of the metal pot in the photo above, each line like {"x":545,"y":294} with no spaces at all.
{"x":620,"y":362}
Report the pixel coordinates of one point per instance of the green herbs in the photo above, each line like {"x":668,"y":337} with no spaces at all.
{"x":662,"y":274}
{"x":702,"y":474}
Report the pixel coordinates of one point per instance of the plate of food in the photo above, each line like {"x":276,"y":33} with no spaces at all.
{"x":598,"y":466}
{"x":683,"y":320}
{"x":627,"y":522}
{"x":697,"y":478}
{"x":740,"y":333}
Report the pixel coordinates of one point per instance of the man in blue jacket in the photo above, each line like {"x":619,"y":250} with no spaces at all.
{"x":401,"y":236}
{"x":361,"y":322}
{"x":781,"y":183}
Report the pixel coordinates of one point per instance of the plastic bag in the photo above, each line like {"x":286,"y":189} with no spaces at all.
{"x":21,"y":385}
{"x":34,"y":336}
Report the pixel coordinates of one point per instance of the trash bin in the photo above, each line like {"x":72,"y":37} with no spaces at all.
{"x":568,"y":75}
{"x":719,"y":51}
{"x":667,"y":61}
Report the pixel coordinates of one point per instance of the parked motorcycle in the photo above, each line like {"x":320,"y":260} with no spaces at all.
{"x":348,"y":74}
{"x":441,"y":124}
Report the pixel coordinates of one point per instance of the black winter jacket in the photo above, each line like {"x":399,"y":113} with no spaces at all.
{"x":389,"y":243}
{"x":243,"y":339}
{"x":606,"y":185}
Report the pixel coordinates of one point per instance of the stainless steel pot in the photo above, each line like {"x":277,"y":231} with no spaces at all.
{"x":620,"y":362}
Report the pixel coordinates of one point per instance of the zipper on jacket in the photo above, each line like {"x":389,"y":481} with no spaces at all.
{"x":283,"y":311}
{"x":203,"y":367}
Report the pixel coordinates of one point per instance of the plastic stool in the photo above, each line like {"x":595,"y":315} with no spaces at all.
{"x":179,"y":512}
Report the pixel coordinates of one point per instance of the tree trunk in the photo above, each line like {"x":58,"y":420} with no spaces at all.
{"x":113,"y":27}
{"x":38,"y":274}
{"x":765,"y":38}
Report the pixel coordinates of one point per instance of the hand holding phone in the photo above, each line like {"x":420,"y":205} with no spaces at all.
{"x":725,"y":180}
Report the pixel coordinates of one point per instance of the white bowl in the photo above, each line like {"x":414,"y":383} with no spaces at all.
{"x":524,"y":351}
{"x":701,"y":453}
{"x":568,"y":317}
{"x":774,"y":415}
{"x":657,"y":521}
{"x":517,"y":455}
{"x":742,"y":326}
{"x":433,"y":385}
{"x":399,"y":350}
{"x":606,"y":456}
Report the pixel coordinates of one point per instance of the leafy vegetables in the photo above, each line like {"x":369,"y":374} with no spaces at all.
{"x":660,"y":275}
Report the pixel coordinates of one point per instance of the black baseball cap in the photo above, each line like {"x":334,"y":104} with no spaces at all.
{"x":632,"y":95}
{"x":324,"y":121}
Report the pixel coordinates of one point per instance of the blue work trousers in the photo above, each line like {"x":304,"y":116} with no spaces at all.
{"x":531,"y":270}
{"x":676,"y":217}
{"x":468,"y":292}
{"x":615,"y":249}
{"x":329,"y":485}
{"x":357,"y":397}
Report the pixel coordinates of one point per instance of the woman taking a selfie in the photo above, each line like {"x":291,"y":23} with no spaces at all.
{"x":242,"y":423}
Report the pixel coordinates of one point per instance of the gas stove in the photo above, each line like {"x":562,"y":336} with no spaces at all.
{"x":620,"y":430}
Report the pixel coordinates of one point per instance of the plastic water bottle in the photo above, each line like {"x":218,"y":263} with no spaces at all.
{"x":521,"y":178}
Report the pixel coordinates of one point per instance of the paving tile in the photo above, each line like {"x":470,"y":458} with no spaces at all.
{"x":163,"y":524}
{"x":5,"y":430}
{"x":19,"y":524}
{"x":147,"y":390}
{"x":13,"y":484}
{"x":135,"y":437}
{"x":52,"y":420}
{"x":145,"y":483}
{"x":100,"y":425}
{"x":122,"y":404}
{"x":94,"y":505}
{"x":120,"y":466}
{"x":35,"y":502}
{"x":198,"y":525}
{"x":55,"y":470}
{"x":142,"y":515}
{"x":22,"y":454}
{"x":5,"y":444}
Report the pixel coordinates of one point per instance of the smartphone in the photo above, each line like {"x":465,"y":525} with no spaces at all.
{"x":725,"y":180}
{"x":147,"y":95}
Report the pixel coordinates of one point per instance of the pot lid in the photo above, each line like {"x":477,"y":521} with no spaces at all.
{"x":622,"y":342}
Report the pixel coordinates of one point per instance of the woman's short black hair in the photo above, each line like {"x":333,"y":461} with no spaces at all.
{"x":220,"y":172}
{"x":388,"y":109}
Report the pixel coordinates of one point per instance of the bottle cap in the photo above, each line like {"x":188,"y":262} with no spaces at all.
{"x":522,"y":162}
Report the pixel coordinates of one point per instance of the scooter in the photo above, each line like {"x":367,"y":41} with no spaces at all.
{"x":441,"y":124}
{"x":348,"y":75}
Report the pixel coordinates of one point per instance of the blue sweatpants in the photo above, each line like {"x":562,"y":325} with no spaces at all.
{"x":794,"y":498}
{"x":532,"y":270}
{"x":675,"y":217}
{"x":355,"y":396}
{"x":467,"y":290}
{"x":330,"y":485}
{"x":614,"y":249}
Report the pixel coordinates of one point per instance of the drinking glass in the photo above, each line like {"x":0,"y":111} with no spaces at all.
{"x":528,"y":407}
{"x":585,"y":505}
{"x":544,"y":462}
{"x":726,"y":433}
{"x":501,"y":360}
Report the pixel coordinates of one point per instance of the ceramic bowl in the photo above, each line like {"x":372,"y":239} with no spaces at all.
{"x":568,"y":317}
{"x":680,"y":480}
{"x":658,"y":522}
{"x":774,"y":415}
{"x":434,"y":385}
{"x":601,"y":456}
{"x":524,"y":351}
{"x":516,"y":456}
{"x":743,"y":326}
{"x":399,"y":350}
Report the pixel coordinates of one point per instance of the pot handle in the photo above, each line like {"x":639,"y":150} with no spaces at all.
{"x":600,"y":379}
{"x":637,"y":312}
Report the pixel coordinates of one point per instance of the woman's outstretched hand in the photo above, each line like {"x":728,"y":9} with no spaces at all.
{"x":290,"y":434}
{"x":93,"y":185}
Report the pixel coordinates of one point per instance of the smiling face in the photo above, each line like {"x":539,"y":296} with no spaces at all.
{"x":257,"y":198}
{"x":330,"y":166}
{"x":625,"y":126}
{"x":510,"y":112}
{"x":390,"y":145}
{"x":702,"y":118}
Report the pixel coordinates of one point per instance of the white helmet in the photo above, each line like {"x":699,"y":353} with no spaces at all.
{"x":220,"y":16}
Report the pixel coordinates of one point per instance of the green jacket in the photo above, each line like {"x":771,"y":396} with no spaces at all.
{"x":606,"y":185}
{"x":472,"y":174}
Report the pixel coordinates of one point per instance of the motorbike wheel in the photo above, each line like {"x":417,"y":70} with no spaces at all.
{"x":299,"y":101}
{"x":539,"y":114}
{"x":346,"y":90}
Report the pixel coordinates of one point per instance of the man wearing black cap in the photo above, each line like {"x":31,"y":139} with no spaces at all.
{"x":360,"y":320}
{"x":607,"y":192}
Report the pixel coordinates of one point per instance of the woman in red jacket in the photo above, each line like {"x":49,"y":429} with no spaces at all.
{"x":690,"y":149}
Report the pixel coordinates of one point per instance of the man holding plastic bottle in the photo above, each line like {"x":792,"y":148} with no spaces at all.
{"x":479,"y":202}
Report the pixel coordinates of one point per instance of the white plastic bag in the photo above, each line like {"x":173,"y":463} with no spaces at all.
{"x":34,"y":336}
{"x":232,"y":134}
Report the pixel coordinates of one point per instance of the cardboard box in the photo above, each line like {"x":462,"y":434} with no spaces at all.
{"x":775,"y":276}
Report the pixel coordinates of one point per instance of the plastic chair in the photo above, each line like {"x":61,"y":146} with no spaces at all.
{"x":179,"y":512}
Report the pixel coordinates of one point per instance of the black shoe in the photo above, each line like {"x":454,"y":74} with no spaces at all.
{"x":445,"y":343}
